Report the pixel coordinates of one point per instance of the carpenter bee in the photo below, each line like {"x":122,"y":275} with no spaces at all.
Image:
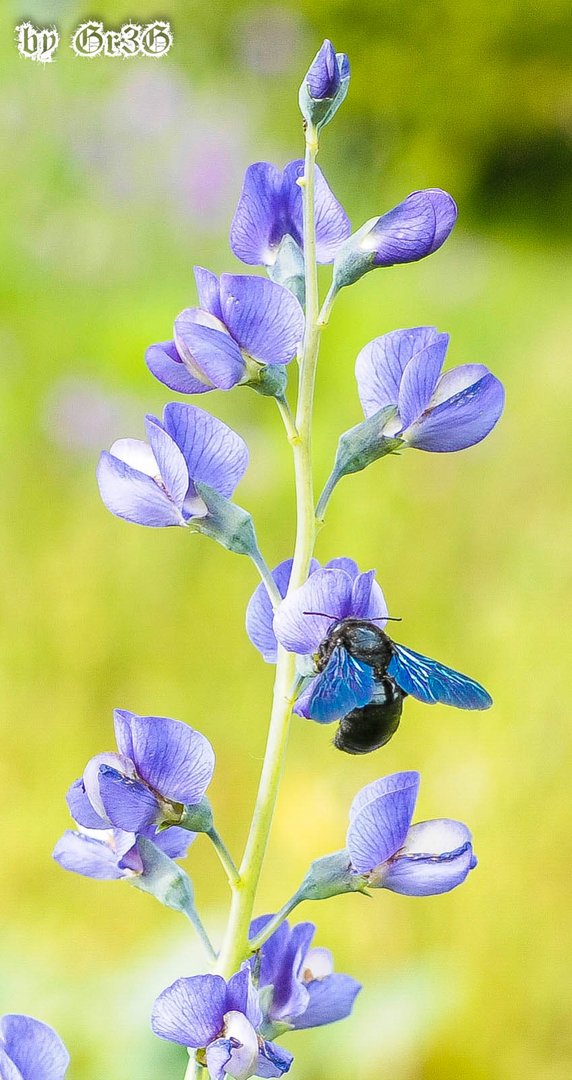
{"x":363,"y":677}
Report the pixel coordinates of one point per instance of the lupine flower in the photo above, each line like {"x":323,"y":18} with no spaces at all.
{"x":161,"y":765}
{"x":432,"y":411}
{"x":417,"y":860}
{"x":221,"y":1021}
{"x":154,"y":484}
{"x":97,"y":851}
{"x":304,"y":618}
{"x":260,"y":614}
{"x":306,"y":992}
{"x":417,"y":227}
{"x":30,"y":1050}
{"x":242,"y":324}
{"x":270,"y":208}
{"x":325,"y":85}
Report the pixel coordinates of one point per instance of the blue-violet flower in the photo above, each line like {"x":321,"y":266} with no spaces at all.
{"x":30,"y":1050}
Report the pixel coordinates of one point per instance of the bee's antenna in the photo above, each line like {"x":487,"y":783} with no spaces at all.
{"x":378,"y":618}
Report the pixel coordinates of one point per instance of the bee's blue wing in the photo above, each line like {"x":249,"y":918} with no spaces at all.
{"x":429,"y":681}
{"x":343,"y":685}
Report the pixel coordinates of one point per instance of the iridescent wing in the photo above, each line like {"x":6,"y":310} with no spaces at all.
{"x":429,"y":681}
{"x":343,"y":685}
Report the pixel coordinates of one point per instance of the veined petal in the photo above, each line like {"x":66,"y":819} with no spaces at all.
{"x":273,"y":1060}
{"x":132,"y":495}
{"x":87,"y":856}
{"x":378,"y":829}
{"x":435,"y":858}
{"x":264,"y":318}
{"x":208,"y":291}
{"x":91,"y":775}
{"x":214,"y":453}
{"x":455,"y":380}
{"x":329,"y":999}
{"x":327,"y":591}
{"x":243,"y":1041}
{"x":381,"y":363}
{"x":461,"y":421}
{"x":127,"y":802}
{"x":332,"y":223}
{"x":138,"y":455}
{"x":260,"y":220}
{"x":418,"y":382}
{"x":368,"y":601}
{"x":209,"y":352}
{"x":34,"y":1048}
{"x":8,"y":1070}
{"x":377,"y":788}
{"x":323,"y":76}
{"x":174,"y":842}
{"x":81,"y":809}
{"x":171,"y":757}
{"x":415,"y":228}
{"x":260,"y":613}
{"x":242,"y":996}
{"x":191,"y":1011}
{"x":290,"y":997}
{"x":172,"y":466}
{"x":165,"y":363}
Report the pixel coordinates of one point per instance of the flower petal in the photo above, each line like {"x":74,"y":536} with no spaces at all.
{"x":419,"y":381}
{"x":214,"y":453}
{"x":243,"y":1041}
{"x":332,"y":223}
{"x":87,"y":856}
{"x":191,"y":1011}
{"x":435,"y":858}
{"x":34,"y":1048}
{"x":208,"y":350}
{"x":381,"y":363}
{"x":462,"y":420}
{"x":323,"y":76}
{"x":132,"y":495}
{"x":128,"y":803}
{"x":260,"y":219}
{"x":415,"y":228}
{"x":242,"y":997}
{"x":378,"y":829}
{"x":368,"y":601}
{"x":330,"y":999}
{"x":290,"y":997}
{"x":172,"y":465}
{"x":260,"y":613}
{"x":81,"y":809}
{"x":208,"y":291}
{"x":218,"y":1057}
{"x":174,"y":842}
{"x":91,"y":775}
{"x":264,"y":318}
{"x":171,"y":757}
{"x":165,"y":363}
{"x":273,"y":1060}
{"x":377,"y":788}
{"x":327,"y":591}
{"x":8,"y":1070}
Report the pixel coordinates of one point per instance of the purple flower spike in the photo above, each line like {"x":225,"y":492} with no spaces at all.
{"x":270,"y":208}
{"x":305,"y":990}
{"x":242,"y":324}
{"x":160,"y":765}
{"x":417,"y":860}
{"x":223,"y":1019}
{"x":154,"y":483}
{"x":432,"y":412}
{"x":30,"y":1050}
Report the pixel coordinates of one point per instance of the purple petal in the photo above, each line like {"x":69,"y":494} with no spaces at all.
{"x":165,"y":364}
{"x":191,"y":1011}
{"x":169,"y":756}
{"x":132,"y":495}
{"x":368,"y":601}
{"x":172,"y":466}
{"x":218,"y":1057}
{"x":88,"y":856}
{"x":264,"y":318}
{"x":128,"y":803}
{"x":208,"y":350}
{"x":327,"y":591}
{"x":91,"y":776}
{"x":332,"y":223}
{"x":214,"y":453}
{"x":418,"y":383}
{"x":34,"y":1048}
{"x":81,"y":809}
{"x":323,"y":77}
{"x":330,"y":999}
{"x":242,"y":996}
{"x":273,"y":1060}
{"x":236,"y":1053}
{"x":8,"y":1070}
{"x":260,"y":220}
{"x":304,"y":701}
{"x":381,"y":363}
{"x":208,"y":291}
{"x":378,"y":829}
{"x":174,"y":842}
{"x":435,"y":858}
{"x":290,"y":997}
{"x":343,"y":563}
{"x":377,"y":788}
{"x":260,"y":613}
{"x":413,"y":229}
{"x":462,"y":420}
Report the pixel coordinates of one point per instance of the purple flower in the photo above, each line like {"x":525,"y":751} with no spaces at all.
{"x":303,"y":621}
{"x":417,"y":227}
{"x":161,"y":765}
{"x":242,"y":324}
{"x":325,"y":85}
{"x":305,"y":990}
{"x":111,"y":854}
{"x":432,"y":411}
{"x":220,"y":1020}
{"x":270,"y":208}
{"x":30,"y":1050}
{"x":416,"y":860}
{"x":154,"y":484}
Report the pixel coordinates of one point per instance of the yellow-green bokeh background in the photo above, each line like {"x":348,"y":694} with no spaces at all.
{"x":116,"y":177}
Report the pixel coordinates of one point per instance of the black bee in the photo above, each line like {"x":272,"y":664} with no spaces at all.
{"x":363,"y":677}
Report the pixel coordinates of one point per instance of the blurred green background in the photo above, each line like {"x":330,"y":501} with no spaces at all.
{"x":116,"y":177}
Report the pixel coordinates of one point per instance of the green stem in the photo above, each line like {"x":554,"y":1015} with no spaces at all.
{"x":236,"y":944}
{"x":224,"y":856}
{"x":266,"y":575}
{"x":276,"y":921}
{"x":325,"y":497}
{"x":194,"y":1069}
{"x":196,"y":922}
{"x":327,"y":306}
{"x":288,"y":418}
